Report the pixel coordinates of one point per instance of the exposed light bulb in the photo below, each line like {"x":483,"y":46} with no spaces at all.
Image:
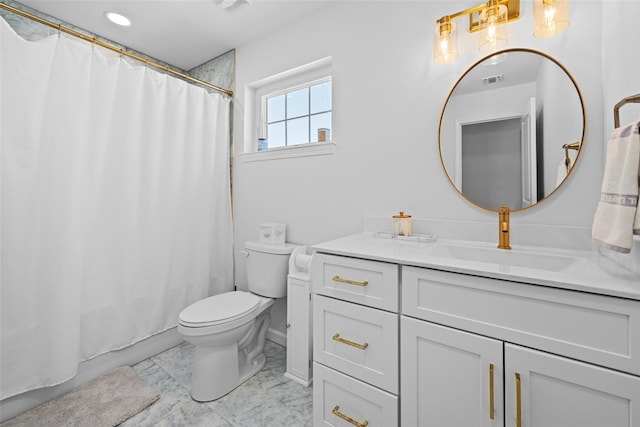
{"x":445,"y":42}
{"x":494,"y":35}
{"x":550,"y":17}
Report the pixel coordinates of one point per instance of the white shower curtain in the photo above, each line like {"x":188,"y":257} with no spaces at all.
{"x":115,"y":205}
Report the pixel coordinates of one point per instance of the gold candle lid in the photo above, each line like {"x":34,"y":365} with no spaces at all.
{"x":402,"y":215}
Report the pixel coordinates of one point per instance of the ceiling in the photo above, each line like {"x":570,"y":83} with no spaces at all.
{"x":516,"y":68}
{"x":183,"y":33}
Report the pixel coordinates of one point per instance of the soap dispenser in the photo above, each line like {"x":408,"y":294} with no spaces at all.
{"x":402,"y":225}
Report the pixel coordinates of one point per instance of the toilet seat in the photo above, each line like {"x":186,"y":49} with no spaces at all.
{"x":219,"y":309}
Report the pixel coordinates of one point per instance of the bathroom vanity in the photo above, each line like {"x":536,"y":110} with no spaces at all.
{"x":463,"y":334}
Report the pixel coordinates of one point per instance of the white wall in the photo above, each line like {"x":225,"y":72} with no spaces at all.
{"x":387,"y":99}
{"x":620,"y":60}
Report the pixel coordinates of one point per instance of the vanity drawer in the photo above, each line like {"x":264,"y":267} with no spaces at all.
{"x":594,"y":328}
{"x":365,"y":282}
{"x":337,"y":396}
{"x":356,"y":340}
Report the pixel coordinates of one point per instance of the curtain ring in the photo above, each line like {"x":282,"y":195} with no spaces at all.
{"x":59,"y":30}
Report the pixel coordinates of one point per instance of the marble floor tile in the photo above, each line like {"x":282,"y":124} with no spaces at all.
{"x":267,"y":399}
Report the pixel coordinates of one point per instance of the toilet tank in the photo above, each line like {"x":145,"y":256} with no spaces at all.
{"x":267,"y":268}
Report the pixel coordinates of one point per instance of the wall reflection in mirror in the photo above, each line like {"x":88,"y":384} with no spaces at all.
{"x":511,"y":129}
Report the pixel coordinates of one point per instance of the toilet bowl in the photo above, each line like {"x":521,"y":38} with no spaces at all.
{"x":228,"y":330}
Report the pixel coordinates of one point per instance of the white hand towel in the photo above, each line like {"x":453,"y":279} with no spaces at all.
{"x":617,"y":218}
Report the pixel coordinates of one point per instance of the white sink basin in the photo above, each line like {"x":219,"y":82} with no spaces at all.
{"x":526,"y":259}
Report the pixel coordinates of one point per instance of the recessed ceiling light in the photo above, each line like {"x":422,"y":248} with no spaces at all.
{"x":118,"y":19}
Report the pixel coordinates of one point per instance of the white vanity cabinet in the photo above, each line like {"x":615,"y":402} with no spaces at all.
{"x":454,"y":376}
{"x":406,"y":338}
{"x":355,"y":342}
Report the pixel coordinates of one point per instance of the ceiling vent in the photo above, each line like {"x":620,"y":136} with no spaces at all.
{"x":493,"y":79}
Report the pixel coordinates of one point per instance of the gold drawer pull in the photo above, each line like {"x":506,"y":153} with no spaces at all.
{"x":491,"y":399}
{"x":518,"y":401}
{"x":349,"y":282}
{"x":348,"y":418}
{"x":337,"y":337}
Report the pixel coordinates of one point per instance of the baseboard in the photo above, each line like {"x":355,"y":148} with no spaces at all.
{"x":277,"y":337}
{"x":298,"y":380}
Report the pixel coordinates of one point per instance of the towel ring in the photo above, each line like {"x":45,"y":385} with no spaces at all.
{"x":634,"y":99}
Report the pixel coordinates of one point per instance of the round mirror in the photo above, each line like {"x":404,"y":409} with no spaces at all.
{"x":511,"y":129}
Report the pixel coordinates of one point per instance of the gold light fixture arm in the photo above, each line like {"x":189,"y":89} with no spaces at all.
{"x":513,"y":7}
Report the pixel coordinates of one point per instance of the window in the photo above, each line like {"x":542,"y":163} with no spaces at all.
{"x":284,"y":111}
{"x":297,"y":115}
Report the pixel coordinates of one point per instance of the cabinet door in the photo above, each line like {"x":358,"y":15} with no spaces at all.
{"x":449,"y":377}
{"x":553,"y":391}
{"x":298,"y":331}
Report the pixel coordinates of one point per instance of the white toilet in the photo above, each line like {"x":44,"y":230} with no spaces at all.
{"x":229,"y":329}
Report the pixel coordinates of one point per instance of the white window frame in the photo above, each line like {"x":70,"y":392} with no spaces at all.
{"x":255,"y":121}
{"x":263,"y":103}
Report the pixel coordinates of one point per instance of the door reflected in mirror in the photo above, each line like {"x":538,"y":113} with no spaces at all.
{"x":504,"y":128}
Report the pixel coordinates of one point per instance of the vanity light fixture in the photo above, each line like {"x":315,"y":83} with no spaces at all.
{"x":117,"y":18}
{"x":486,"y":17}
{"x":550,"y":17}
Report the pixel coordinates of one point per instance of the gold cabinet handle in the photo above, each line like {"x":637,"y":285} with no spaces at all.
{"x":491,"y":399}
{"x":518,"y":401}
{"x":349,"y":282}
{"x":348,"y":419}
{"x":338,"y":338}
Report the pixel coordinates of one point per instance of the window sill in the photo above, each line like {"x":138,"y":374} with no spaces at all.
{"x":301,"y":150}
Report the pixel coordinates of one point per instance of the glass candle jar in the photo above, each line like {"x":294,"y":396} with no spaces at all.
{"x":402,"y":225}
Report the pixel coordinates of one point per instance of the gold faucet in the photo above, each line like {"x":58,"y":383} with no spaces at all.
{"x":503,"y":228}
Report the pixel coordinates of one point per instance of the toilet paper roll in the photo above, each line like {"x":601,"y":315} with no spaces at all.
{"x":303,"y":261}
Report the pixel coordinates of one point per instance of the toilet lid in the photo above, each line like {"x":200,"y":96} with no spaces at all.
{"x":220,"y":308}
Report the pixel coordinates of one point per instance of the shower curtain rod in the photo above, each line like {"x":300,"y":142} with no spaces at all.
{"x":121,"y":51}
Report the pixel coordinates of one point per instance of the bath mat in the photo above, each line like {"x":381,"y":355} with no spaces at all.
{"x":105,"y":401}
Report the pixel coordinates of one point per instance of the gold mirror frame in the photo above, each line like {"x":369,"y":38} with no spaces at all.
{"x":580,"y":145}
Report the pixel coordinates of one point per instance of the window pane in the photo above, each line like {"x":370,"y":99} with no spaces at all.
{"x":298,"y":131}
{"x":321,"y":97}
{"x":298,"y":103}
{"x":275,"y":108}
{"x":275,"y":135}
{"x":320,"y":121}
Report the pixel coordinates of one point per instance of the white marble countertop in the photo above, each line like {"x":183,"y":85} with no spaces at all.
{"x":585,"y":271}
